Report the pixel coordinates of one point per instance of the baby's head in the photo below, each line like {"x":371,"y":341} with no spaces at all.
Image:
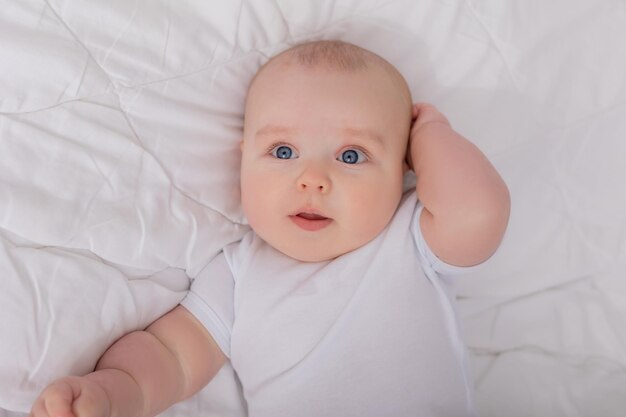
{"x":325,"y":137}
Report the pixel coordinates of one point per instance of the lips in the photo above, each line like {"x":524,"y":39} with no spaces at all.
{"x":310,"y":221}
{"x":311,"y":216}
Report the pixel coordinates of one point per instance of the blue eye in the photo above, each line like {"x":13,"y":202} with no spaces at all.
{"x":283,"y":152}
{"x":352,"y":156}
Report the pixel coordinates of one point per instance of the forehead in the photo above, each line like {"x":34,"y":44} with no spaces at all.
{"x":312,"y":95}
{"x":271,"y":132}
{"x":376,"y":68}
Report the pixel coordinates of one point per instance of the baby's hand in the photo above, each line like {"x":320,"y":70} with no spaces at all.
{"x":423,"y":114}
{"x":72,"y":397}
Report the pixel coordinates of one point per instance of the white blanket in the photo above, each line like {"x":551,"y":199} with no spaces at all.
{"x":119,"y":131}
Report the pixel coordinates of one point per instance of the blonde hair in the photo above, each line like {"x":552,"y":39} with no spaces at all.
{"x":335,"y":55}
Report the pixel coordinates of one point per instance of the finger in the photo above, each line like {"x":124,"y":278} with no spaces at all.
{"x":421,"y":106}
{"x":426,"y":113}
{"x":58,"y":399}
{"x":39,"y":409}
{"x":91,"y":403}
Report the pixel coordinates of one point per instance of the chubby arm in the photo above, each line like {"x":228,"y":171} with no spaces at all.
{"x":141,"y":374}
{"x":466,"y":203}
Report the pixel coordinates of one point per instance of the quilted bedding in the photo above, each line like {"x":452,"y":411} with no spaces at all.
{"x":119,"y":130}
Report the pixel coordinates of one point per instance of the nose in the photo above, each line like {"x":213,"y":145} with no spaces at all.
{"x":314,"y":179}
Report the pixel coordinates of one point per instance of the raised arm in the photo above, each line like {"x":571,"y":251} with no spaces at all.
{"x":141,"y":374}
{"x":466,"y":203}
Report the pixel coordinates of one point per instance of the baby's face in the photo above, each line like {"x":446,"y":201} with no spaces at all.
{"x":322,"y":157}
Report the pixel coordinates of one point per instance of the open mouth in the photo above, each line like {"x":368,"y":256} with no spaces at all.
{"x":310,"y":221}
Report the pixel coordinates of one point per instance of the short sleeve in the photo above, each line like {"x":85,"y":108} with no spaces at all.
{"x":441,"y":275}
{"x":210,"y":300}
{"x":442,"y":268}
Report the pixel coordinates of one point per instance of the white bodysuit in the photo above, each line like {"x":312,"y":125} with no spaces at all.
{"x":370,"y":333}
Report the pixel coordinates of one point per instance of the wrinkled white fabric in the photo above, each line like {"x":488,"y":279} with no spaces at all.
{"x":119,"y":130}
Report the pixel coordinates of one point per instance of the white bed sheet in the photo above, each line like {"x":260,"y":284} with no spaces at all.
{"x":119,"y":131}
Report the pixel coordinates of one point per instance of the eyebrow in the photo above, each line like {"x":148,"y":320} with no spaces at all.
{"x":367,"y":134}
{"x":351,"y":132}
{"x":275,"y":130}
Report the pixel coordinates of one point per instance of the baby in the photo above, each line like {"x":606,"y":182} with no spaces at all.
{"x":337,"y":303}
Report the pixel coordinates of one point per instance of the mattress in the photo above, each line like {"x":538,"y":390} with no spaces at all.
{"x":119,"y":131}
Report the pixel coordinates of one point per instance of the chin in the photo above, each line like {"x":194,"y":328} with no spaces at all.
{"x":319,"y":252}
{"x":311,"y":256}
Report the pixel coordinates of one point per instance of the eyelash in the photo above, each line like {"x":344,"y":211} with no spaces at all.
{"x":358,"y":148}
{"x":275,"y":145}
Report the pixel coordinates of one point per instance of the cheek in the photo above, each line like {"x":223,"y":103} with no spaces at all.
{"x":258,"y":195}
{"x":374,"y":206}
